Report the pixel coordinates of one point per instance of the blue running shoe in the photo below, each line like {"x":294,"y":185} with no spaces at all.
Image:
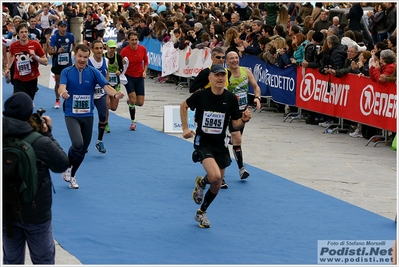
{"x":100,"y":147}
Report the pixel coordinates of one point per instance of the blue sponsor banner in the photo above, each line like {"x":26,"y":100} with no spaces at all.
{"x":109,"y":34}
{"x":154,"y":53}
{"x":256,"y":65}
{"x":278,"y":83}
{"x":282,"y":84}
{"x":152,"y":45}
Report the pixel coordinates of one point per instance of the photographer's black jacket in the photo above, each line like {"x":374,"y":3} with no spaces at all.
{"x":311,"y":55}
{"x":50,"y":157}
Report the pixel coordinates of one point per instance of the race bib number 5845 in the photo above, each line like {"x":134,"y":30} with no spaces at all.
{"x":212,"y":122}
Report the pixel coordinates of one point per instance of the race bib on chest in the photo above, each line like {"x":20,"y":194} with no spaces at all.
{"x":98,"y":91}
{"x":89,"y":34}
{"x":113,"y":79}
{"x":63,"y":59}
{"x":242,"y":100}
{"x":81,"y":104}
{"x":212,"y":122}
{"x":24,"y":67}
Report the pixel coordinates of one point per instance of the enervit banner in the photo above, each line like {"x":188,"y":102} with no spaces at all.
{"x":350,"y":97}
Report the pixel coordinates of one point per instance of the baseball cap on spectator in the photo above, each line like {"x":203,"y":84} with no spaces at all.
{"x":318,"y":37}
{"x":111,"y":43}
{"x":61,"y":23}
{"x":218,"y":68}
{"x":198,"y":25}
{"x":227,"y":15}
{"x":5,"y":14}
{"x":126,"y":5}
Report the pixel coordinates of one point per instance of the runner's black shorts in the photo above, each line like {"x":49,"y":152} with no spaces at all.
{"x":57,"y":69}
{"x":221,"y":156}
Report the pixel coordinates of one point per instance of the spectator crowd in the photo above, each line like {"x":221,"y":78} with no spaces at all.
{"x":335,"y":38}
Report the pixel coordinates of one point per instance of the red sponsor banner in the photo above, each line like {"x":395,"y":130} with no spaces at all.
{"x":351,"y":97}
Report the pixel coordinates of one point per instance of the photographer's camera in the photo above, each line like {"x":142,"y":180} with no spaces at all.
{"x":36,"y":120}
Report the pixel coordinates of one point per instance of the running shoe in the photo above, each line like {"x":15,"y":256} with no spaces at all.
{"x":100,"y":147}
{"x":57,"y":104}
{"x":243,"y":173}
{"x":133,"y":126}
{"x":224,"y":185}
{"x":356,"y":134}
{"x":198,"y":192}
{"x":66,"y":175}
{"x":326,"y":123}
{"x":107,"y":129}
{"x":73,"y":184}
{"x":200,"y":217}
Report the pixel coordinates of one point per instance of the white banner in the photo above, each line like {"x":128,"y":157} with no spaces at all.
{"x":172,"y":121}
{"x":170,"y":59}
{"x":189,"y":61}
{"x":51,"y":81}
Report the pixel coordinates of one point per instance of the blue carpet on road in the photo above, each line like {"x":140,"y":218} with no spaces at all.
{"x":134,"y":206}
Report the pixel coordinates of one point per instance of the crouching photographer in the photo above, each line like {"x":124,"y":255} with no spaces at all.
{"x":28,"y":222}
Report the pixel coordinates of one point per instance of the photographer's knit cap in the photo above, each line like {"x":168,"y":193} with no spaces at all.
{"x":19,"y":106}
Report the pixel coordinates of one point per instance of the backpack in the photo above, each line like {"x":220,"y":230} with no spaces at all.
{"x":20,"y":176}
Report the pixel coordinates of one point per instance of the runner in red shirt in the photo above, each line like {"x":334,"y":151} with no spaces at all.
{"x":25,"y":56}
{"x":136,"y":72}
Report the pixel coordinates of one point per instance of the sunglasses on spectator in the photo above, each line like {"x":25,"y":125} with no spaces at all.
{"x":219,"y":57}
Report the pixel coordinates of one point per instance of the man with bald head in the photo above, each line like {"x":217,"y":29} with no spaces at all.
{"x":239,"y":80}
